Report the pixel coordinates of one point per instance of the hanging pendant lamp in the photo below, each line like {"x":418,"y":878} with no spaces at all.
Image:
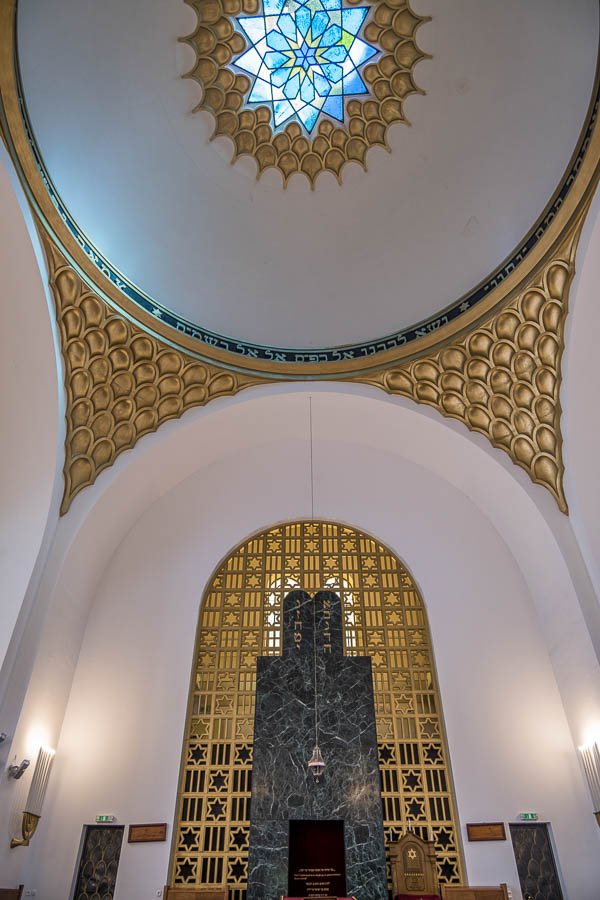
{"x":316,"y":764}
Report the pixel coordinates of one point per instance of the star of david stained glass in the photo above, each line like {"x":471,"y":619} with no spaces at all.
{"x":305,"y":86}
{"x":305,"y":57}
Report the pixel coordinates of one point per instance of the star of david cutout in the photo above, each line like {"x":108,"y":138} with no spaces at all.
{"x":197,"y":753}
{"x":186,"y":871}
{"x":244,"y":754}
{"x":189,"y":838}
{"x":305,"y":57}
{"x":412,"y":781}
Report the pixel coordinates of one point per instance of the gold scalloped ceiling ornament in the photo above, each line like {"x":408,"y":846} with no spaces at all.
{"x":121,"y":383}
{"x":503,"y":379}
{"x":392,"y":27}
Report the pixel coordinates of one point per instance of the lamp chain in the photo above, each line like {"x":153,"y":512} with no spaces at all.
{"x":315,"y":667}
{"x":312,"y":475}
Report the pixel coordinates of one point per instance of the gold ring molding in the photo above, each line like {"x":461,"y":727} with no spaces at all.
{"x":126,"y":373}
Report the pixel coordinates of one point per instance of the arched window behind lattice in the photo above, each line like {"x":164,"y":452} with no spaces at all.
{"x":240,"y":619}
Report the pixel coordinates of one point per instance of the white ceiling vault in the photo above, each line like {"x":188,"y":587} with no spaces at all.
{"x":492,"y":181}
{"x":507,"y":91}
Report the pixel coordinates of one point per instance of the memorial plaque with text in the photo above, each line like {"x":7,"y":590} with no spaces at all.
{"x":316,"y":859}
{"x":143,"y":834}
{"x":486,"y":831}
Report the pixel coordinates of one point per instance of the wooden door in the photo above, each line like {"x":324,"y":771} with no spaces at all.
{"x":535,"y":862}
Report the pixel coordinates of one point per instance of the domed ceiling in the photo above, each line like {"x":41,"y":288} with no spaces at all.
{"x":498,"y":99}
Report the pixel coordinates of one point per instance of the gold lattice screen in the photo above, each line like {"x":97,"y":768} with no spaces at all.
{"x":384,"y":618}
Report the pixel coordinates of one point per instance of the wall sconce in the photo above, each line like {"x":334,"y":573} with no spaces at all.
{"x":17,"y":771}
{"x":590,"y":757}
{"x":35,"y":798}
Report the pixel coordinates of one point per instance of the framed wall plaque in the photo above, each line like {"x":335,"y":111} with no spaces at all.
{"x":141,"y":834}
{"x":486,"y":831}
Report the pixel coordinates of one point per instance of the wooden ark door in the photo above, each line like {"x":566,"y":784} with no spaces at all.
{"x":97,"y":871}
{"x":535,"y":862}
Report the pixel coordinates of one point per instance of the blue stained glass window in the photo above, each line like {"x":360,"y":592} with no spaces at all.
{"x":304,"y":57}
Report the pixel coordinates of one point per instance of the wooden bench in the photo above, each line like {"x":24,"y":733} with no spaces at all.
{"x":11,"y":893}
{"x":454,"y":892}
{"x":194,"y":893}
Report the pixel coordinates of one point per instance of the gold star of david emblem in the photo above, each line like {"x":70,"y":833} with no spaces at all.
{"x":245,"y":729}
{"x":412,"y":854}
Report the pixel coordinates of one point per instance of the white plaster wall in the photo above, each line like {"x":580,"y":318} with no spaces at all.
{"x":510,"y":744}
{"x":29,"y":404}
{"x":581,"y":397}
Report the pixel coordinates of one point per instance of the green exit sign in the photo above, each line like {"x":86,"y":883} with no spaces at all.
{"x":528,"y":817}
{"x":103,"y":820}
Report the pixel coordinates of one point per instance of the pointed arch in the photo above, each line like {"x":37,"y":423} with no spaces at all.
{"x":240,"y":619}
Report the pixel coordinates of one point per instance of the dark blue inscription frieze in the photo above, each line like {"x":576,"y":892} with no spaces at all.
{"x":344,"y":353}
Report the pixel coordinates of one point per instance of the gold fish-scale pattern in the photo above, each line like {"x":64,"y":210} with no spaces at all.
{"x":121,"y":383}
{"x":392,"y":28}
{"x":502,"y":380}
